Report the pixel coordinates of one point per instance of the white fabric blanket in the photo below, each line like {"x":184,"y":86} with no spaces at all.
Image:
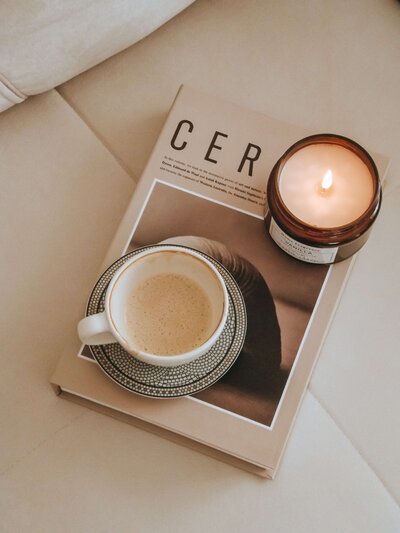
{"x":43,"y":43}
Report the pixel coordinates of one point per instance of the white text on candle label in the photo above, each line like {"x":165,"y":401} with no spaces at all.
{"x":301,"y":251}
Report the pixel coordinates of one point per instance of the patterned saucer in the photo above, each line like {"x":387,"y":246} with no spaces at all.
{"x":171,"y":382}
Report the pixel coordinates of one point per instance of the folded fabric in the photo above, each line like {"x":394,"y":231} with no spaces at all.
{"x":43,"y":44}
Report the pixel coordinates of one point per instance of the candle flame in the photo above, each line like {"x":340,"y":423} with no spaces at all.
{"x":327,"y":181}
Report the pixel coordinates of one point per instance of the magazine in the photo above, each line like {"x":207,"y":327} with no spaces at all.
{"x":204,"y":187}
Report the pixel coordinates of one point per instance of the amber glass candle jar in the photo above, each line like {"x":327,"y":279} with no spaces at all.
{"x":323,"y":196}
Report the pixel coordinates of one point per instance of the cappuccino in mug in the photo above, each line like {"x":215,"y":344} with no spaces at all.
{"x":168,"y":314}
{"x":166,"y":306}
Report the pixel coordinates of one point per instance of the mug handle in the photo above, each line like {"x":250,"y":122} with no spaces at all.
{"x":95,"y":329}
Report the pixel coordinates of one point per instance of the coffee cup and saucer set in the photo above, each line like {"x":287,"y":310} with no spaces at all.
{"x":165,"y":321}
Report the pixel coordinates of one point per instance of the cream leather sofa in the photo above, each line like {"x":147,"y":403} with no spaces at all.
{"x":69,"y":161}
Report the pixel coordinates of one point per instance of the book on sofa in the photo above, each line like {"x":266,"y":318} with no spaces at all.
{"x":204,"y":187}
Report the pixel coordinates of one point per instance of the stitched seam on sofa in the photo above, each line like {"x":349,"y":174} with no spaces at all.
{"x":354,"y":446}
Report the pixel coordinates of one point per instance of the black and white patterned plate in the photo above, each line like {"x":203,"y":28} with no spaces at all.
{"x":171,"y":382}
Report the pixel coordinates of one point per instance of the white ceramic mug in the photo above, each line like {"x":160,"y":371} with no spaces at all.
{"x":110,"y":326}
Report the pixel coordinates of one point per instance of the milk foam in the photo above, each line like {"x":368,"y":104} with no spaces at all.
{"x":168,"y":314}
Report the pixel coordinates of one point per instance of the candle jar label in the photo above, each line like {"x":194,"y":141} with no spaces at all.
{"x":310,"y":254}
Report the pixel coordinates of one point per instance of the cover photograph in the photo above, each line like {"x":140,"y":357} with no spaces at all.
{"x":280,"y":292}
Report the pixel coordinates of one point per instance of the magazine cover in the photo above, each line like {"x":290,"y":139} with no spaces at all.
{"x":204,"y":187}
